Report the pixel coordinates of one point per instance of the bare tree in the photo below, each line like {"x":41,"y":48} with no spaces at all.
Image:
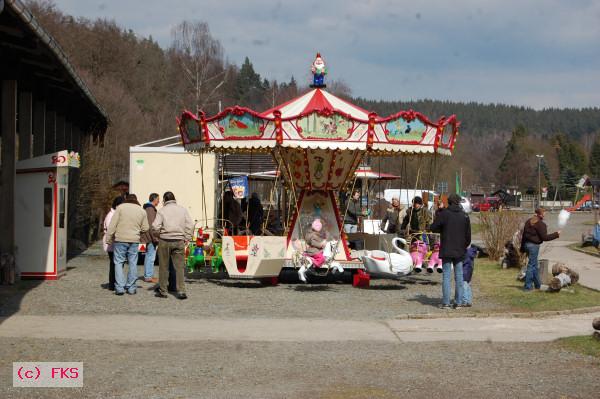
{"x":198,"y":57}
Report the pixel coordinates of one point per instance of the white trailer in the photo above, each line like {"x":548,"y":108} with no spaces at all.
{"x":406,"y":195}
{"x":191,"y":177}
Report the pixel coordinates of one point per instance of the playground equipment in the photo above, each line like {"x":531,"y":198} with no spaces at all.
{"x":305,"y":263}
{"x":389,"y":265}
{"x":317,"y":141}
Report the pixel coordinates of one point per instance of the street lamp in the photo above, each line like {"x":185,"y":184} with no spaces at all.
{"x":539,"y":158}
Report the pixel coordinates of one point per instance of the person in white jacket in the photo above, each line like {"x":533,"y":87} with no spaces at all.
{"x":174,"y":227}
{"x":108,"y":248}
{"x":126,"y":225}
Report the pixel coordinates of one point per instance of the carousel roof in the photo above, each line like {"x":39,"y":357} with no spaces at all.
{"x":315,"y":101}
{"x":318,"y":120}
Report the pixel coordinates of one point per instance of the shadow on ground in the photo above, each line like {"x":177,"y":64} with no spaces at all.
{"x":426,"y":300}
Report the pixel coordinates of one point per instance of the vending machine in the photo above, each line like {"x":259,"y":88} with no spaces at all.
{"x":41,"y":196}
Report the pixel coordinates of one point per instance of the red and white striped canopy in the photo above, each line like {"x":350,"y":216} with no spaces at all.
{"x":314,"y":101}
{"x":318,"y":120}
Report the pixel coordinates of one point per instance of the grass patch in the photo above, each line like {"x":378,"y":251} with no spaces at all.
{"x":475,"y":228}
{"x":586,"y":345}
{"x":501,"y":286}
{"x":588,"y":250}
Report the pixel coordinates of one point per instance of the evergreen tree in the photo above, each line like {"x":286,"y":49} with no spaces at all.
{"x":594,"y":165}
{"x":516,"y":158}
{"x":249,"y":86}
{"x":571,"y":163}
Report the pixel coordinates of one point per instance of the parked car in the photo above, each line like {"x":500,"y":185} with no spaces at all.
{"x":490,"y":204}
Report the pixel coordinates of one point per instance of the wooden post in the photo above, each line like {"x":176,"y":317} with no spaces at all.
{"x":60,"y":133}
{"x":68,"y":136}
{"x":50,"y":134}
{"x":76,"y":138}
{"x":39,"y":128}
{"x":8,"y":172}
{"x":25,"y":124}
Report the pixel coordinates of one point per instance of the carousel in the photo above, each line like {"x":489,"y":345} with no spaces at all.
{"x":317,"y":141}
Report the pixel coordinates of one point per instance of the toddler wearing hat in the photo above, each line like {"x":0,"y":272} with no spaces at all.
{"x":315,"y":242}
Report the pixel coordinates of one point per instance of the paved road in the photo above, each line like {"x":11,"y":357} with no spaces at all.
{"x":587,"y":266}
{"x":140,"y":328}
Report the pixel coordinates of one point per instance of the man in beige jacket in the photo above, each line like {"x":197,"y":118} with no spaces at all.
{"x":126,"y":225}
{"x":174,"y":227}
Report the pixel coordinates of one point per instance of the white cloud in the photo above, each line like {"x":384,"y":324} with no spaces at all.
{"x":534,"y":53}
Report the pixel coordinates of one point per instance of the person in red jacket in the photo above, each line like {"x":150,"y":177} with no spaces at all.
{"x":535,"y":233}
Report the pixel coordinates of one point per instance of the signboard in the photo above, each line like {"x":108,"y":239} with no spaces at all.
{"x":442,"y":187}
{"x":582,"y":181}
{"x":239,"y":186}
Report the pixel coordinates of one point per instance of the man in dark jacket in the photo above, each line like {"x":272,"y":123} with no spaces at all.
{"x":150,"y":239}
{"x":255,"y":214}
{"x":353,"y":211}
{"x":535,"y":233}
{"x":455,"y":228}
{"x":417,"y":218}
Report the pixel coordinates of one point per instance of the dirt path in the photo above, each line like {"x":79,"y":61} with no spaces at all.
{"x":320,"y":370}
{"x":155,"y":328}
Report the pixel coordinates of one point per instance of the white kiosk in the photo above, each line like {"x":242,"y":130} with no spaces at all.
{"x":41,"y":196}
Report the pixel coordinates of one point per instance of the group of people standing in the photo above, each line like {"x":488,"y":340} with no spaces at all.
{"x":165,"y":232}
{"x":451,"y":222}
{"x":248,"y":216}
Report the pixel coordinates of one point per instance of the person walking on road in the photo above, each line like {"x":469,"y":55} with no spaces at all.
{"x":454,"y":226}
{"x":174,"y":227}
{"x":535,"y":233}
{"x":150,"y":239}
{"x":127,"y":224}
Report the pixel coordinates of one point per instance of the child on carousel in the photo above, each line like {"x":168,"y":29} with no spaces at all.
{"x":315,"y":243}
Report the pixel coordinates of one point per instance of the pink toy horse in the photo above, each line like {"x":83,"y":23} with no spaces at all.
{"x":435,"y":260}
{"x":418,"y":251}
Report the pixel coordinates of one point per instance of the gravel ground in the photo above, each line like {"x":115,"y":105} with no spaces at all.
{"x":322,"y":370}
{"x":80,"y":291}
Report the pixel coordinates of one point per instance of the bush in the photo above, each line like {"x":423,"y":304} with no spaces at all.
{"x":499,"y":227}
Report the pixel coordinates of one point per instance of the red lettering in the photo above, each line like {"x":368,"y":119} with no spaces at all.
{"x":29,"y":374}
{"x":62,"y":373}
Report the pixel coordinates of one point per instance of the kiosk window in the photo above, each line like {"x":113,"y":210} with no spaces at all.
{"x":47,"y":207}
{"x":61,"y":208}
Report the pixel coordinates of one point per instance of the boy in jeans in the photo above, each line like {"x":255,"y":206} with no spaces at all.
{"x":468,"y":265}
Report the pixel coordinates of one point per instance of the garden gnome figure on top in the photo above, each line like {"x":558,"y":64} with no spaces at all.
{"x":319,"y":71}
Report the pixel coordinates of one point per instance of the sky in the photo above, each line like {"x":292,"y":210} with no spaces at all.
{"x":536,"y":53}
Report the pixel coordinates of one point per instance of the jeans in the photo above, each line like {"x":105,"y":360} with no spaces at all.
{"x":532,"y":276}
{"x":467,"y":293}
{"x":111,"y":271}
{"x":149,"y":260}
{"x":126,"y":252}
{"x":175,"y":251}
{"x":447,"y":279}
{"x":350,"y":228}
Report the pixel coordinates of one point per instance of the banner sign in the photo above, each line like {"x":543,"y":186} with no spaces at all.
{"x":239,"y":186}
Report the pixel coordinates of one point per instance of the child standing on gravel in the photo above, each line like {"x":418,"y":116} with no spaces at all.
{"x":468,"y":265}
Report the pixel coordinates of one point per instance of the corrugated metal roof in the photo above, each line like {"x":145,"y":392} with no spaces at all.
{"x":247,"y":163}
{"x":23,"y":13}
